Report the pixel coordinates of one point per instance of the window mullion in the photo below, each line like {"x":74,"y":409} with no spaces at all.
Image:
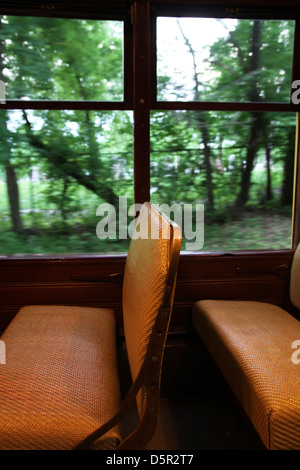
{"x":296,"y":76}
{"x":223,"y":106}
{"x":141,"y":19}
{"x":65,"y":105}
{"x":128,"y":65}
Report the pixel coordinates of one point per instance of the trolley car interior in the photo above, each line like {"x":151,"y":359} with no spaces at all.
{"x":199,"y":407}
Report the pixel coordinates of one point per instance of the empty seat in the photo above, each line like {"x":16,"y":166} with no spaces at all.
{"x":252,"y":344}
{"x":60,"y":389}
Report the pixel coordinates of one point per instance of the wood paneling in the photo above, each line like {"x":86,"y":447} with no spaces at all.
{"x":93,"y":282}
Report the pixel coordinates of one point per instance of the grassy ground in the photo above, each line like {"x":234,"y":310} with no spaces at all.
{"x":72,"y":229}
{"x":252,"y":231}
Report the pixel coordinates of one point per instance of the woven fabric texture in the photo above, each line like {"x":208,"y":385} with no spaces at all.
{"x":49,"y":400}
{"x":144,"y":285}
{"x":251,"y":343}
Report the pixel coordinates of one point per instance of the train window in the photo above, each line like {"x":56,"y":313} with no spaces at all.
{"x":61,"y":152}
{"x":69,"y":163}
{"x":239,"y":165}
{"x":223,"y":131}
{"x":104,"y":104}
{"x":224,"y":59}
{"x":62,"y":59}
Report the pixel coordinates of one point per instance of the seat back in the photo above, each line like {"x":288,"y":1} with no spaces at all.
{"x":148,"y":291}
{"x":295,"y":279}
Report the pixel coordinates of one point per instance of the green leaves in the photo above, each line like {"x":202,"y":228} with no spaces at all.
{"x":84,"y":157}
{"x":52,"y":58}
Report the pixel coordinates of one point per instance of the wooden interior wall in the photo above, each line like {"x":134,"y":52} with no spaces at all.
{"x":96,"y":282}
{"x":93,"y":282}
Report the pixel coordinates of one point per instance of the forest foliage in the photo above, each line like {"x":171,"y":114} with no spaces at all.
{"x":57,"y":166}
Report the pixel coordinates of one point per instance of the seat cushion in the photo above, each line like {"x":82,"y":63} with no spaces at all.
{"x":60,"y":379}
{"x":251,"y":342}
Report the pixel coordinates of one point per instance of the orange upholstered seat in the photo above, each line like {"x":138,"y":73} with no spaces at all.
{"x":251,"y":342}
{"x":59,"y":388}
{"x":60,"y":379}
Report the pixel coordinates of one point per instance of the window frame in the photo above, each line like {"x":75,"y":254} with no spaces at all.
{"x":140,"y":76}
{"x":219,"y":9}
{"x":106,"y":11}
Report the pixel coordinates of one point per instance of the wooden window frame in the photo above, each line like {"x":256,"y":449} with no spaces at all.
{"x":140,"y":79}
{"x":220,"y":9}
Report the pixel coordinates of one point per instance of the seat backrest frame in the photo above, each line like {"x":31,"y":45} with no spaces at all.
{"x":149,"y":375}
{"x":295,"y":279}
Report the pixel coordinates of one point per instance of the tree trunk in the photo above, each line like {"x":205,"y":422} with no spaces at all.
{"x":252,"y":148}
{"x":13,"y":197}
{"x":11,"y":179}
{"x":70,"y":168}
{"x":200,"y":118}
{"x":207,"y":162}
{"x":288,"y":171}
{"x":269,"y":194}
{"x":256,"y":118}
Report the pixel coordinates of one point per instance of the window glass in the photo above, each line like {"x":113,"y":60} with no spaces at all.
{"x":61,"y":59}
{"x":208,"y":59}
{"x":239,"y":165}
{"x":56,"y":169}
